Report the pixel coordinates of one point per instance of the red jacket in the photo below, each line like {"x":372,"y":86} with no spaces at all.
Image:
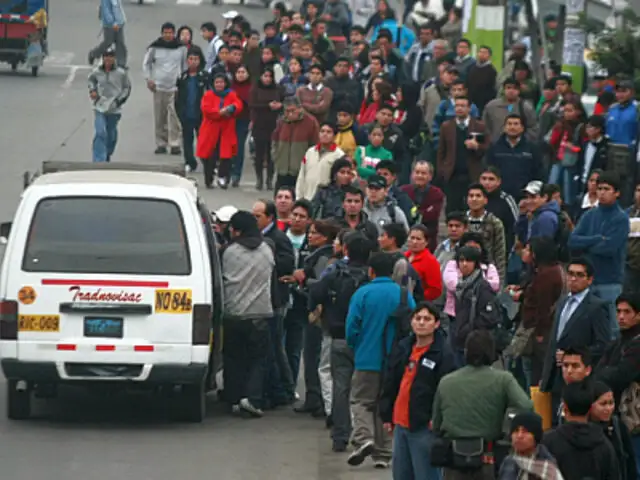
{"x":430,"y":209}
{"x":428,"y":268}
{"x":217,"y":129}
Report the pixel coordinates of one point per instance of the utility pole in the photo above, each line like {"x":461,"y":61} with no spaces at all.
{"x":574,"y":42}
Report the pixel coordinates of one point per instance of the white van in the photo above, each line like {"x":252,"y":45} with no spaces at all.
{"x":110,"y":276}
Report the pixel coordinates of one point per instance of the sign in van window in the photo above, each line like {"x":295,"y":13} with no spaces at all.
{"x":107,"y":235}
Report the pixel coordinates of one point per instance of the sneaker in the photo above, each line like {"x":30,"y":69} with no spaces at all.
{"x":247,"y":406}
{"x":188,"y":169}
{"x":360,"y":454}
{"x":160,"y":150}
{"x":222,"y":183}
{"x":339,"y":446}
{"x":176,"y":151}
{"x":381,"y":464}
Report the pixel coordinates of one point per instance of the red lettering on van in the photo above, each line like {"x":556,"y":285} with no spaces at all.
{"x":99,"y":296}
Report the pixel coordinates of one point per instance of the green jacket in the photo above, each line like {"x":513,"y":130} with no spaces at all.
{"x":473,"y":401}
{"x":368,"y":157}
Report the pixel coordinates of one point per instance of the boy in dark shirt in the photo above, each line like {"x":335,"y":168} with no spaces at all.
{"x":581,"y":448}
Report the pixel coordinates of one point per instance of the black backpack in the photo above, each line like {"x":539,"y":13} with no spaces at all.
{"x":502,"y":324}
{"x":347,"y":279}
{"x":561,"y":238}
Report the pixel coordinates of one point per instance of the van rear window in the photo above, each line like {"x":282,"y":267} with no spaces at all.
{"x":107,"y":235}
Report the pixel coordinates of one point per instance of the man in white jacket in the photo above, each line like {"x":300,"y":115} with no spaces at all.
{"x":315,"y":170}
{"x":165,"y":60}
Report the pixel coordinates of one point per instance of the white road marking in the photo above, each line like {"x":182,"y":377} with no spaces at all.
{"x":189,"y":2}
{"x":59,"y":58}
{"x":70,"y":78}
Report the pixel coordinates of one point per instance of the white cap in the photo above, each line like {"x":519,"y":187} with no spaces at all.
{"x":230,"y":15}
{"x":224,"y":214}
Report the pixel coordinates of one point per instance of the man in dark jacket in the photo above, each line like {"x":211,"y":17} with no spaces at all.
{"x":333,"y":291}
{"x":594,"y":154}
{"x":500,"y":203}
{"x":191,"y":86}
{"x":345,"y":89}
{"x":415,"y":367}
{"x":516,"y":157}
{"x":280,"y":386}
{"x":352,"y":215}
{"x":580,"y":447}
{"x":543,"y":220}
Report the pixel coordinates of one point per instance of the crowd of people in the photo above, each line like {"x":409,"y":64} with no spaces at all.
{"x":408,"y":332}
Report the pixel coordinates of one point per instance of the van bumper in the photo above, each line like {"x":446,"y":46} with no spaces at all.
{"x":15,"y":369}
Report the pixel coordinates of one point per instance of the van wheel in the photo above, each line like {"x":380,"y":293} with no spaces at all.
{"x":192,"y":405}
{"x":18,"y":401}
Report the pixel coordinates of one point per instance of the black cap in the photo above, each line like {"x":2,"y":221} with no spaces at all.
{"x":376,"y":181}
{"x":626,"y":84}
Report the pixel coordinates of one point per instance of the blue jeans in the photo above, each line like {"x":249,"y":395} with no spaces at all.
{"x":242,"y":131}
{"x":189,"y":131}
{"x":106,"y":135}
{"x":610,"y":292}
{"x":294,"y":325}
{"x":563,"y":177}
{"x":635,"y":441}
{"x":411,"y":450}
{"x":279,"y":387}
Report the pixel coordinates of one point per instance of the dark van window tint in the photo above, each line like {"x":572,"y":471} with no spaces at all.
{"x":107,"y":235}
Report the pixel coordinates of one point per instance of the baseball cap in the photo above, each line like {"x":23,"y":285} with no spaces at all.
{"x":224,"y":214}
{"x":376,"y":181}
{"x":625,"y":84}
{"x":534,"y":187}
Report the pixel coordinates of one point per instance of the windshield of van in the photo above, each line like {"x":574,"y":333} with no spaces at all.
{"x":107,"y":235}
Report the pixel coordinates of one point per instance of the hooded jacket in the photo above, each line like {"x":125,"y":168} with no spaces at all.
{"x":545,"y":220}
{"x":164,"y":62}
{"x":582,"y":451}
{"x":385,"y":213}
{"x":247,"y":266}
{"x":113,"y":88}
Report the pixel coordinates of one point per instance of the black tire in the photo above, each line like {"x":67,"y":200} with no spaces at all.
{"x":34,"y":71}
{"x":18,"y":402}
{"x":192,"y":404}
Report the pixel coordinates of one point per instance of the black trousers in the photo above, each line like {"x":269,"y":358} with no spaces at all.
{"x":456,"y":192}
{"x":246,"y":344}
{"x":262,"y":159}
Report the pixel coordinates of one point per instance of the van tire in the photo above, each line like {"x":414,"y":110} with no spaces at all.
{"x":18,"y":402}
{"x":192,"y":405}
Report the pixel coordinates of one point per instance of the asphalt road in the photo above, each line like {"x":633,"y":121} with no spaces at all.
{"x":82,"y":436}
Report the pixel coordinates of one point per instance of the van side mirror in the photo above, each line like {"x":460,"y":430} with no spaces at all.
{"x":5,"y":230}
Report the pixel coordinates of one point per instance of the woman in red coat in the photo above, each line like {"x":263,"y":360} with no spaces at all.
{"x":217,"y":140}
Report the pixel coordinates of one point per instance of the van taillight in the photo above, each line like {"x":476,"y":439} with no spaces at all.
{"x":8,"y":320}
{"x":201,"y":327}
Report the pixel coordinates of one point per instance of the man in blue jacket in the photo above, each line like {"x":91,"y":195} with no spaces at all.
{"x":544,"y":219}
{"x":113,"y":20}
{"x":601,"y":236}
{"x":370,"y":332}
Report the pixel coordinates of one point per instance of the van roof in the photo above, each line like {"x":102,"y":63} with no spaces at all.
{"x":122,"y":177}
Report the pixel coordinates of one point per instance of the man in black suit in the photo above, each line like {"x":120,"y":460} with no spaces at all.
{"x":581,"y":321}
{"x":280,"y":385}
{"x":594,"y":154}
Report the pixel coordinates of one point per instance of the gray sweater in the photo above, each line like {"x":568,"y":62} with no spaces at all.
{"x":247,"y":269}
{"x":164,"y":64}
{"x":113,"y":89}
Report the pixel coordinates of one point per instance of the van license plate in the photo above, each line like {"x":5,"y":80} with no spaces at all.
{"x":103,"y":327}
{"x":39,"y":323}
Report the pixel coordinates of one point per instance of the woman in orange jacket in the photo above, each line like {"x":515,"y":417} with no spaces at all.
{"x":217,"y":140}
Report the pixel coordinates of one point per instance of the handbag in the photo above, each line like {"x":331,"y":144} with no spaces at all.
{"x":570,"y":158}
{"x":440,"y":453}
{"x":467,"y":453}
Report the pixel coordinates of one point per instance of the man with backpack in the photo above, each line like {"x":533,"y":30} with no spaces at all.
{"x":380,"y":209}
{"x":378,"y":316}
{"x":333,"y":292}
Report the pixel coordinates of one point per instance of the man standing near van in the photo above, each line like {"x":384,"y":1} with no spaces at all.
{"x":247,"y":269}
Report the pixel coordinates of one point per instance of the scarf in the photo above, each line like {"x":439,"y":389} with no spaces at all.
{"x":162,"y":43}
{"x":467,"y":282}
{"x":537,"y":468}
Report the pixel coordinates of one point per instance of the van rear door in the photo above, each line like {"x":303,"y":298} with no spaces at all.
{"x":109,"y":280}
